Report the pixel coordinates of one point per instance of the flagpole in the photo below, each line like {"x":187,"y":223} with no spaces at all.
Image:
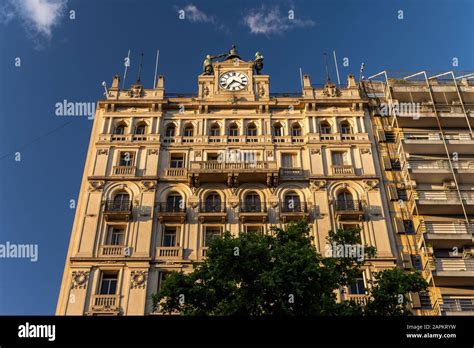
{"x":156,"y":67}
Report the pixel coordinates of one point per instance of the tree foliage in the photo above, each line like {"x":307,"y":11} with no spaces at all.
{"x":280,"y":273}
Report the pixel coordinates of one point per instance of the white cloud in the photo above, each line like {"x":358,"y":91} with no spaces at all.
{"x":38,"y":16}
{"x":272,"y":21}
{"x":195,"y":15}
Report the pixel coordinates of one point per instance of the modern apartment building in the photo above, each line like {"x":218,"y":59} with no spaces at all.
{"x":166,"y":172}
{"x":423,"y":127}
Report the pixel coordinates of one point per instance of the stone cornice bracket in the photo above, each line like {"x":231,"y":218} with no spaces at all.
{"x":102,"y":151}
{"x":317,"y":185}
{"x":148,"y":186}
{"x":370,"y":185}
{"x":153,"y":151}
{"x":79,"y":279}
{"x":96,"y":185}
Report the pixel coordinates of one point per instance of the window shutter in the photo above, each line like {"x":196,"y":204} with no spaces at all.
{"x":399,"y":226}
{"x":392,"y":193}
{"x":387,"y":163}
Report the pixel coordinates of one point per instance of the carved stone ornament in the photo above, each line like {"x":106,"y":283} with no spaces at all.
{"x":367,"y":150}
{"x":193,"y":201}
{"x":315,"y":151}
{"x":136,"y":91}
{"x":148,"y":185}
{"x":198,"y":153}
{"x":370,"y":185}
{"x":274,"y":201}
{"x":79,"y":279}
{"x":270,"y":153}
{"x":234,"y":201}
{"x":96,"y":185}
{"x":152,"y":151}
{"x":330,"y":90}
{"x":317,"y":185}
{"x":102,"y":151}
{"x":138,"y":279}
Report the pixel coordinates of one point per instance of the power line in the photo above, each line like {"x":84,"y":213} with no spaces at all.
{"x":22,"y":147}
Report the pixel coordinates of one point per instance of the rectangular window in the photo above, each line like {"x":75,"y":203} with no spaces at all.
{"x":358,"y":287}
{"x":288,"y":160}
{"x":177,"y":161}
{"x":409,"y":227}
{"x":402,"y":194}
{"x":254,"y":229}
{"x":212,"y":156}
{"x":170,"y":236}
{"x":108,"y":284}
{"x":161,"y":278}
{"x":116,"y":235}
{"x":126,"y":159}
{"x":211,"y":232}
{"x":338,"y":158}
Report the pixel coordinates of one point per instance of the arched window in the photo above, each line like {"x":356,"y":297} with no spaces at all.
{"x":292,"y":202}
{"x":120,"y":129}
{"x":121,"y":202}
{"x":233,"y":130}
{"x":296,"y":130}
{"x":213,"y":203}
{"x":141,"y":128}
{"x":345,"y":201}
{"x":251,"y":130}
{"x":277,"y":130}
{"x":170,"y":131}
{"x":346,"y":127}
{"x":174,"y":203}
{"x":188,"y":131}
{"x":252,"y":202}
{"x":325,"y":127}
{"x":215,"y":130}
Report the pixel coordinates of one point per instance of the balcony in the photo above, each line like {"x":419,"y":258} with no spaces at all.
{"x":176,"y":173}
{"x":454,"y":271}
{"x":170,"y":212}
{"x":292,"y":174}
{"x":342,"y":170}
{"x":434,"y":171}
{"x":429,"y":143}
{"x":338,"y":137}
{"x":444,"y":202}
{"x":212,"y":212}
{"x":348,"y":209}
{"x":105,"y":304}
{"x":446,"y":235}
{"x":118,"y":211}
{"x":253,"y":212}
{"x":113,"y":250}
{"x":169,"y":253}
{"x":293,"y":212}
{"x":462,"y":305}
{"x":124,"y":170}
{"x":360,"y":299}
{"x":233,"y":173}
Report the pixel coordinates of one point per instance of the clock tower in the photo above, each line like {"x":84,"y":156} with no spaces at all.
{"x":233,"y":79}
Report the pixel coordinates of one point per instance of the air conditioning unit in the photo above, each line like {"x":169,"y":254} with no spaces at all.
{"x":449,"y":184}
{"x":468,"y":252}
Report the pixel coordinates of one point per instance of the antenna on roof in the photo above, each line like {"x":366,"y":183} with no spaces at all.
{"x":156,"y":67}
{"x":328,"y":79}
{"x":301,"y":79}
{"x":127,"y":64}
{"x":337,"y":69}
{"x":140,"y":68}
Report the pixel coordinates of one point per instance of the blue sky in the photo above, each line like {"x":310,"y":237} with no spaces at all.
{"x":63,"y":58}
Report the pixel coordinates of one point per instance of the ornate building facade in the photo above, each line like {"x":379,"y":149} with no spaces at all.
{"x":166,"y":172}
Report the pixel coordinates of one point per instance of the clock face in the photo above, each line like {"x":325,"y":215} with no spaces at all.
{"x":233,"y":81}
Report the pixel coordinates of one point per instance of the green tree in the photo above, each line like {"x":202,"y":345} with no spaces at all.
{"x":276,"y":274}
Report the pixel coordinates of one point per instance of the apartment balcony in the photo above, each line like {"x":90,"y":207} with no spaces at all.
{"x":434,"y":171}
{"x":124,"y":170}
{"x":212,"y":212}
{"x":293,"y":174}
{"x":233,"y":173}
{"x":339,"y":137}
{"x":105,"y":304}
{"x":128,"y":138}
{"x":250,"y":212}
{"x":176,"y":174}
{"x":113,"y":250}
{"x":446,"y":235}
{"x":169,"y":212}
{"x":348,"y":209}
{"x":169,"y":253}
{"x":431,"y":143}
{"x":118,"y":211}
{"x":444,"y":202}
{"x":454,"y":271}
{"x":462,"y":305}
{"x":240,"y":139}
{"x":293,"y":212}
{"x":342,"y":170}
{"x":360,"y":299}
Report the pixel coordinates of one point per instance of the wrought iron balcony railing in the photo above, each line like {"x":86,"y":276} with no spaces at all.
{"x":112,"y":206}
{"x":171,"y":207}
{"x":296,"y":207}
{"x":348,"y":205}
{"x":208,"y":207}
{"x":253,"y":208}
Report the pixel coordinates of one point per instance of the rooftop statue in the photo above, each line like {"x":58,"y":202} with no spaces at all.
{"x":232,"y":53}
{"x":258,"y":62}
{"x":207,"y":64}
